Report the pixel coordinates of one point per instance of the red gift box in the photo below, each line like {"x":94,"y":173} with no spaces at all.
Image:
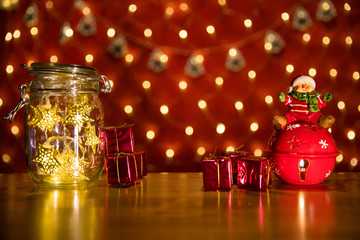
{"x":118,"y":139}
{"x":217,"y":173}
{"x":122,"y":168}
{"x":253,"y":172}
{"x":234,"y":156}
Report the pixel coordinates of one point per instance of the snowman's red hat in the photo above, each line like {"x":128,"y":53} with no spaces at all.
{"x":301,"y":78}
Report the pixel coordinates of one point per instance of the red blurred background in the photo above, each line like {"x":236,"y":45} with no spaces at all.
{"x":329,"y":50}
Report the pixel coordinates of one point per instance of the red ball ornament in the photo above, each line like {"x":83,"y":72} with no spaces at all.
{"x":303,"y":153}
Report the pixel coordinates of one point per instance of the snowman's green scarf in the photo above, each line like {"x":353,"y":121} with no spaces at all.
{"x":310,"y":98}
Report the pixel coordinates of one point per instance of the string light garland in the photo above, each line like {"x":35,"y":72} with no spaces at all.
{"x":172,"y":70}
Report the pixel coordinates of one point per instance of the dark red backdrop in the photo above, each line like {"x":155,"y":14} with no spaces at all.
{"x":228,"y":21}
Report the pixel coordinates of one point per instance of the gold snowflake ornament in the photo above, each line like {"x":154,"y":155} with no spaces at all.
{"x":91,"y":138}
{"x":45,"y":117}
{"x":47,"y":158}
{"x":78,"y":114}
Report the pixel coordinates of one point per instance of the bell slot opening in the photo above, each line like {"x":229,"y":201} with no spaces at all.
{"x":303,"y":167}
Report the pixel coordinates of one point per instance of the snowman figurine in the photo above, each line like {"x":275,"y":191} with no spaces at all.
{"x":304,"y":104}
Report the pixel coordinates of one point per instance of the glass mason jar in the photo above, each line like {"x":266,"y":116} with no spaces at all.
{"x":63,"y":120}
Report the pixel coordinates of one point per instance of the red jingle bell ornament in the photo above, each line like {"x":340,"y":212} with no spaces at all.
{"x":303,"y":153}
{"x":302,"y":148}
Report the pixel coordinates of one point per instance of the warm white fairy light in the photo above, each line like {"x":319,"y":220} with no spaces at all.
{"x":339,"y":158}
{"x":353,"y":162}
{"x":347,"y":7}
{"x":89,"y":58}
{"x":222,"y":3}
{"x":220,"y":128}
{"x":15,"y":130}
{"x":8,"y":37}
{"x":68,"y":31}
{"x":312,"y":72}
{"x":289,"y":68}
{"x":210,"y":29}
{"x":34,"y":31}
{"x":128,"y":109}
{"x":248,"y":23}
{"x":169,"y":11}
{"x":219,"y":81}
{"x":239,"y":105}
{"x":333,"y":72}
{"x":147,"y":32}
{"x":341,"y":105}
{"x":268,"y":99}
{"x":146,"y":84}
{"x":150,"y":134}
{"x":6,"y":158}
{"x":199,"y":58}
{"x":257,"y":152}
{"x":201,"y":151}
{"x":351,"y":135}
{"x":16,"y":34}
{"x":254,"y":127}
{"x":306,"y":37}
{"x":111,"y":83}
{"x":348,"y":40}
{"x":285,"y":16}
{"x":132,"y":8}
{"x":170,"y":153}
{"x":184,"y":7}
{"x":54,"y":59}
{"x":230,"y":149}
{"x":326,"y":40}
{"x":9,"y":69}
{"x":189,"y":130}
{"x":163,"y":58}
{"x":129,"y":58}
{"x":202,"y":104}
{"x":325,"y":6}
{"x":86,"y":10}
{"x":182,"y":85}
{"x":267,"y":46}
{"x":164,"y":109}
{"x":356,"y":75}
{"x":30,"y":62}
{"x":49,"y":5}
{"x":1,"y":102}
{"x":183,"y":34}
{"x":233,"y":52}
{"x":252,"y":74}
{"x":359,"y":107}
{"x":111,"y":32}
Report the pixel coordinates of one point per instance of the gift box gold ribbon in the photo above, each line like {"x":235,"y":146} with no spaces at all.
{"x":211,"y":157}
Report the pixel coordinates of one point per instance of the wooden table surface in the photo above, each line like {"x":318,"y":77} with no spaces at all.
{"x":174,"y":206}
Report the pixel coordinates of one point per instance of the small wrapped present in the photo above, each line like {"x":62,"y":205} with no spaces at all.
{"x":122,"y":168}
{"x":118,"y":139}
{"x":253,"y":172}
{"x":235,"y":156}
{"x":217,"y":173}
